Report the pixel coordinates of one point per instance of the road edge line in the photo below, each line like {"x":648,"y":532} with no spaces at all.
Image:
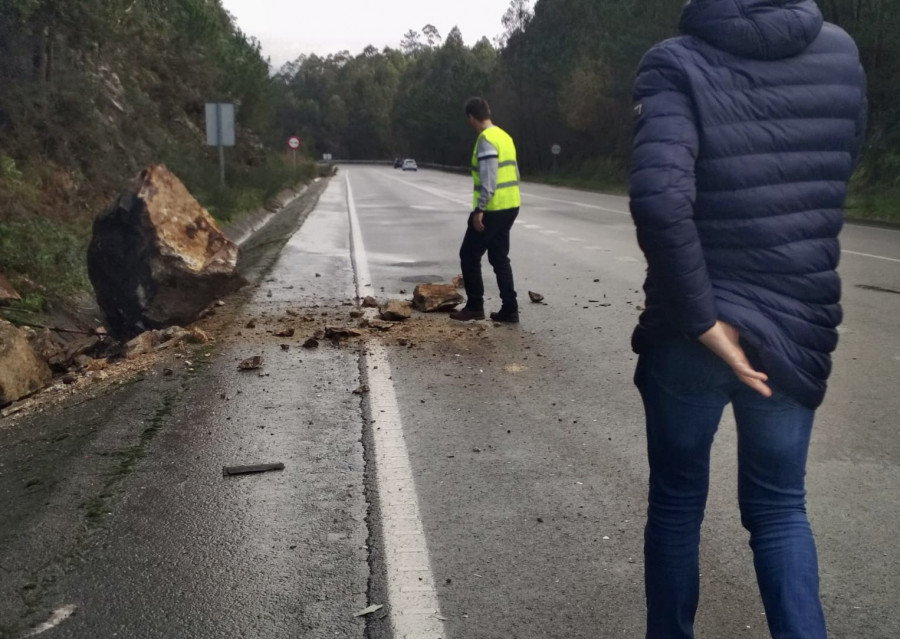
{"x":414,"y":608}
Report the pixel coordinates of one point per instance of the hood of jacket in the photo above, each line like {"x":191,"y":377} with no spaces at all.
{"x":760,"y":29}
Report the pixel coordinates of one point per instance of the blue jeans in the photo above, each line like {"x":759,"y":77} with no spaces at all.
{"x":685,"y":388}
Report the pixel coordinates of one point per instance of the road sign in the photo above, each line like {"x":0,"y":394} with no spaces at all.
{"x":326,"y":157}
{"x":220,"y":124}
{"x":293,"y":142}
{"x":556,"y":149}
{"x":220,"y":130}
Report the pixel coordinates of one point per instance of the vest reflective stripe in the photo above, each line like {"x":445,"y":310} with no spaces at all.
{"x":507,"y":195}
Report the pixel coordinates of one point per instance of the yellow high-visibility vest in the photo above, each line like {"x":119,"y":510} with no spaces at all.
{"x":507,"y":195}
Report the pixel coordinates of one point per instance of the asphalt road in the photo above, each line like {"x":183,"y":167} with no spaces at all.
{"x":490,"y":485}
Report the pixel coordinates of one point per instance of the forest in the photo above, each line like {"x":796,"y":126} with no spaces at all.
{"x":94,"y":90}
{"x":546,"y":88}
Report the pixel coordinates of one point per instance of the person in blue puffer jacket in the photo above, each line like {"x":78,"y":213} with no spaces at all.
{"x":747,"y":129}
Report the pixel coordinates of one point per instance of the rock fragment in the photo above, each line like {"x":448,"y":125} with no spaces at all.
{"x":22,"y":373}
{"x":395,"y":310}
{"x":537,"y":298}
{"x":7,"y":293}
{"x":369,"y":302}
{"x":430,"y":298}
{"x":251,"y":363}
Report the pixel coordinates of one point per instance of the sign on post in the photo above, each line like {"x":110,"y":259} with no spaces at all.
{"x":293,"y":145}
{"x":220,"y":130}
{"x":326,"y":157}
{"x":555,"y":150}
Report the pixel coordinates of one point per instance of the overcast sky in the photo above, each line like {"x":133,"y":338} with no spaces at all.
{"x":288,"y":28}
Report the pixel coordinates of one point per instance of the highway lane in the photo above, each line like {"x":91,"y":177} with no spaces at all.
{"x":490,"y":485}
{"x":527,"y":447}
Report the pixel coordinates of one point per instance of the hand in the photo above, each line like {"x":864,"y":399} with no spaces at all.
{"x":724,"y":340}
{"x":478,"y":221}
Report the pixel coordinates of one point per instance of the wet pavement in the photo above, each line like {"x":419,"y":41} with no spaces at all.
{"x":524,"y":448}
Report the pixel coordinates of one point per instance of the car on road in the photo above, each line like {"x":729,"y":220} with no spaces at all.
{"x":398,"y":163}
{"x":410,"y":165}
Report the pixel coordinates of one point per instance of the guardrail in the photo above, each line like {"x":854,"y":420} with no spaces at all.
{"x":424,"y":165}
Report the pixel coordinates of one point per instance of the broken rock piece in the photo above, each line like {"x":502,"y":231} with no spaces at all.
{"x":537,"y":298}
{"x":288,"y":332}
{"x":369,"y":302}
{"x":251,"y":363}
{"x":7,"y":292}
{"x":21,"y":372}
{"x":430,"y":298}
{"x":340,"y":332}
{"x":312,"y":342}
{"x":395,"y":310}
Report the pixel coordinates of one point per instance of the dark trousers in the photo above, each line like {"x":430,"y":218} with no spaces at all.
{"x":493,"y":240}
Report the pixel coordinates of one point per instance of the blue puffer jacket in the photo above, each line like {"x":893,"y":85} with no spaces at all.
{"x":747,"y":130}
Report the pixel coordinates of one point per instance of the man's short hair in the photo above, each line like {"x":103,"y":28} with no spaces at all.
{"x":478,"y":108}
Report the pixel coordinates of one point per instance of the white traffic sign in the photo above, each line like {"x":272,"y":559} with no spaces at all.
{"x":556,"y":149}
{"x":220,"y":124}
{"x":294,"y":142}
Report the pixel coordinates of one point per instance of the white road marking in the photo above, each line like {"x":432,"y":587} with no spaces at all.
{"x":578,"y":204}
{"x":429,"y":190}
{"x":424,"y":208}
{"x":414,"y":609}
{"x":876,"y":257}
{"x":595,"y":207}
{"x":533,"y":227}
{"x":55,"y":619}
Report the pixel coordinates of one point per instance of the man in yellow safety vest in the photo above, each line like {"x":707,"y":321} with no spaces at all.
{"x":496,"y":205}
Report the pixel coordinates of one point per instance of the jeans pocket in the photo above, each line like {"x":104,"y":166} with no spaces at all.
{"x":682,"y":366}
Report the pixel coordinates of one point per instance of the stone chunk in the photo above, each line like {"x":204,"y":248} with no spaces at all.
{"x":142,"y":344}
{"x":429,"y":298}
{"x":7,"y":292}
{"x":158,"y":258}
{"x":22,"y":373}
{"x":395,"y":310}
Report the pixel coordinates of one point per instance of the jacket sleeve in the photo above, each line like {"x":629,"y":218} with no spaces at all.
{"x":663,"y":192}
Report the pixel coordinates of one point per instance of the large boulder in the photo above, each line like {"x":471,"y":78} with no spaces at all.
{"x":157,"y":257}
{"x":429,"y":298}
{"x":21,"y":372}
{"x":7,"y":292}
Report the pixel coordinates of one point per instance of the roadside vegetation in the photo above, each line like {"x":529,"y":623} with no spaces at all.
{"x":561,"y":73}
{"x":96,"y":90}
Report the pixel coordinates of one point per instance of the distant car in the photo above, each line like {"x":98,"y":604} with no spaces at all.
{"x":410,"y":165}
{"x":398,"y":163}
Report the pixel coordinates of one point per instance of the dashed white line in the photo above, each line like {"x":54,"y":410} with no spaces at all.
{"x":578,"y":204}
{"x":414,"y":607}
{"x":876,"y":257}
{"x":56,"y":618}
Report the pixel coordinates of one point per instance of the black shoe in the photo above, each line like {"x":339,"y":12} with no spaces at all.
{"x":507,"y":316}
{"x":467,"y":315}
